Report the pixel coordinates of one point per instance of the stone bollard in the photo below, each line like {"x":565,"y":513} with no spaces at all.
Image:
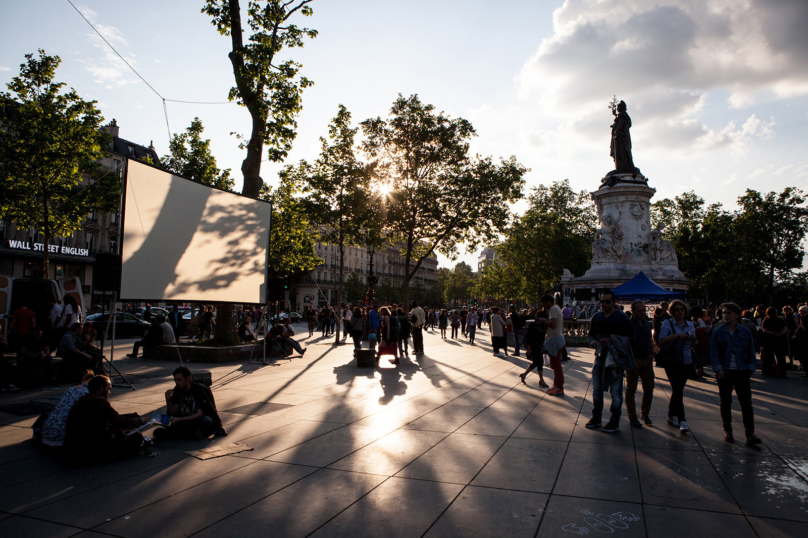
{"x":202,"y":376}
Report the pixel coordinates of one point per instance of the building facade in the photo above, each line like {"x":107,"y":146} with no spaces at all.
{"x":321,"y":285}
{"x":487,"y":256}
{"x":73,"y":256}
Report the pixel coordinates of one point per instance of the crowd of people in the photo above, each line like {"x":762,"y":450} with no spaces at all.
{"x":682,"y":341}
{"x":36,"y":337}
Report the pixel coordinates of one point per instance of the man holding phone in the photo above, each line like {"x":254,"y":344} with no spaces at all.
{"x":192,"y":409}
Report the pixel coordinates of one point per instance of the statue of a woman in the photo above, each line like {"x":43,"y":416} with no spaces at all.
{"x":621,"y":140}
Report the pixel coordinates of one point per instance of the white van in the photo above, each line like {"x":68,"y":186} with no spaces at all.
{"x":35,"y":292}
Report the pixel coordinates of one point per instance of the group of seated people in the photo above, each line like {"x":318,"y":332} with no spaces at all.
{"x":159,"y":333}
{"x":86,"y":429}
{"x":281,"y":333}
{"x":34,"y":365}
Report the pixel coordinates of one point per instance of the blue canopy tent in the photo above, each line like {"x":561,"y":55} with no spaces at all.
{"x":644,"y":289}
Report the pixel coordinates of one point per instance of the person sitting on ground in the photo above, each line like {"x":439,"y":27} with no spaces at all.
{"x":96,"y":433}
{"x":244,"y":332}
{"x":156,"y":335}
{"x":74,"y":359}
{"x":282,"y":335}
{"x":8,"y":374}
{"x":86,"y":338}
{"x":35,"y":360}
{"x":53,"y":431}
{"x":192,"y":408}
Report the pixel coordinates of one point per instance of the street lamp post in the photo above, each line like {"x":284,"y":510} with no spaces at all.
{"x":369,"y":299}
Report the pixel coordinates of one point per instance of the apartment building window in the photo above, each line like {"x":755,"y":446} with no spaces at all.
{"x":92,"y":216}
{"x":113,"y":244}
{"x":2,"y":230}
{"x":90,"y":242}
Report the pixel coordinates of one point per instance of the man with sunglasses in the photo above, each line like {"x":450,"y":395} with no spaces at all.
{"x":605,"y":324}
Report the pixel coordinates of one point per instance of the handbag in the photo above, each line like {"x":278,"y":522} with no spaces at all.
{"x":665,"y":357}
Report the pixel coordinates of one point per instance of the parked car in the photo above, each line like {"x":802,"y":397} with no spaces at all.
{"x":126,"y":325}
{"x":155,"y":310}
{"x":293,"y":315}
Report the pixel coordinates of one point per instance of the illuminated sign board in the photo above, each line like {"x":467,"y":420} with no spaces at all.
{"x":53,"y":249}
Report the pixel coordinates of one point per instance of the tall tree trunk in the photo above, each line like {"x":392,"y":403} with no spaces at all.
{"x":339,"y":284}
{"x":251,"y":167}
{"x":225,"y":334}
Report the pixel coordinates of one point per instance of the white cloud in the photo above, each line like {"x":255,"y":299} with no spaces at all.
{"x":108,"y":69}
{"x":4,"y":68}
{"x":664,"y":60}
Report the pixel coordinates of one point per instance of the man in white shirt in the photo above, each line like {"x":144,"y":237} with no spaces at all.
{"x":418,"y":322}
{"x":168,"y":330}
{"x":555,"y":343}
{"x":346,"y":320}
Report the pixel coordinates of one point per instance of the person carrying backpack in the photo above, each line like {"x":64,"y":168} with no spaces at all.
{"x":404,"y":331}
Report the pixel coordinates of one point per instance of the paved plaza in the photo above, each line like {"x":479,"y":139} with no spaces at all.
{"x":447,"y":444}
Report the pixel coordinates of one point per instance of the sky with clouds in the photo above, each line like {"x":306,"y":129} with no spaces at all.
{"x":717,"y":89}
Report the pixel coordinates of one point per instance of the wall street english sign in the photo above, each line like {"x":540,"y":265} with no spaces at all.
{"x":53,"y":249}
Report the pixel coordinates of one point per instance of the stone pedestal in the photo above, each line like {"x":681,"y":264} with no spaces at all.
{"x":625,"y":243}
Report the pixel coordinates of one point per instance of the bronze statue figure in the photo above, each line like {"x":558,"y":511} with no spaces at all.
{"x":621,"y":140}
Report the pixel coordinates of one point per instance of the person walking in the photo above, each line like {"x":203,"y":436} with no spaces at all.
{"x":555,"y":343}
{"x":498,"y":338}
{"x":643,"y":348}
{"x":455,"y":319}
{"x":357,"y":327}
{"x":311,"y":319}
{"x":443,"y":321}
{"x":404,"y":331}
{"x":606,"y":374}
{"x":774,"y":334}
{"x":418,"y":321}
{"x":534,"y":350}
{"x":732,"y":354}
{"x":471,"y":324}
{"x":676,"y":337}
{"x":517,"y":322}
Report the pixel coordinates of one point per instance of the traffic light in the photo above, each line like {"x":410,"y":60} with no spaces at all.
{"x":287,"y":282}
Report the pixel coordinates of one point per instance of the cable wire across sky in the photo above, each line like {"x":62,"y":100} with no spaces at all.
{"x":165,"y":108}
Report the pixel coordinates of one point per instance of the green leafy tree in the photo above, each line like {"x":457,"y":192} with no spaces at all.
{"x":387,"y":292}
{"x":774,"y":225}
{"x":437,"y":195}
{"x":459,"y":283}
{"x":267,"y":85}
{"x":354,"y":289}
{"x":291,"y":241}
{"x":190,"y":156}
{"x":553,"y":234}
{"x":337,"y":188}
{"x":50,"y":143}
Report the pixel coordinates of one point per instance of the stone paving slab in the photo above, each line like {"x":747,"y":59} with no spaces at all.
{"x":450,"y":443}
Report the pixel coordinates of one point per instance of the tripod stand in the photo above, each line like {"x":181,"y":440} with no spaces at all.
{"x":111,"y":317}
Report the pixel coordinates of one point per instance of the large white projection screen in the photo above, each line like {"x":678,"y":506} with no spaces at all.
{"x":184,"y":241}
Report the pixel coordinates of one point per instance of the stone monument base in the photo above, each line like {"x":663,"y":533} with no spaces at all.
{"x":625,"y":244}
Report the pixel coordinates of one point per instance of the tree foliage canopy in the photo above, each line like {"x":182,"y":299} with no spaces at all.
{"x":190,"y":156}
{"x":438,"y":195}
{"x":271,"y":90}
{"x":745,"y":255}
{"x":553,"y":234}
{"x":51,"y":139}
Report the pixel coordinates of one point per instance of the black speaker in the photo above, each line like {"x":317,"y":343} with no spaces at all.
{"x":107,"y":272}
{"x":275,"y":288}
